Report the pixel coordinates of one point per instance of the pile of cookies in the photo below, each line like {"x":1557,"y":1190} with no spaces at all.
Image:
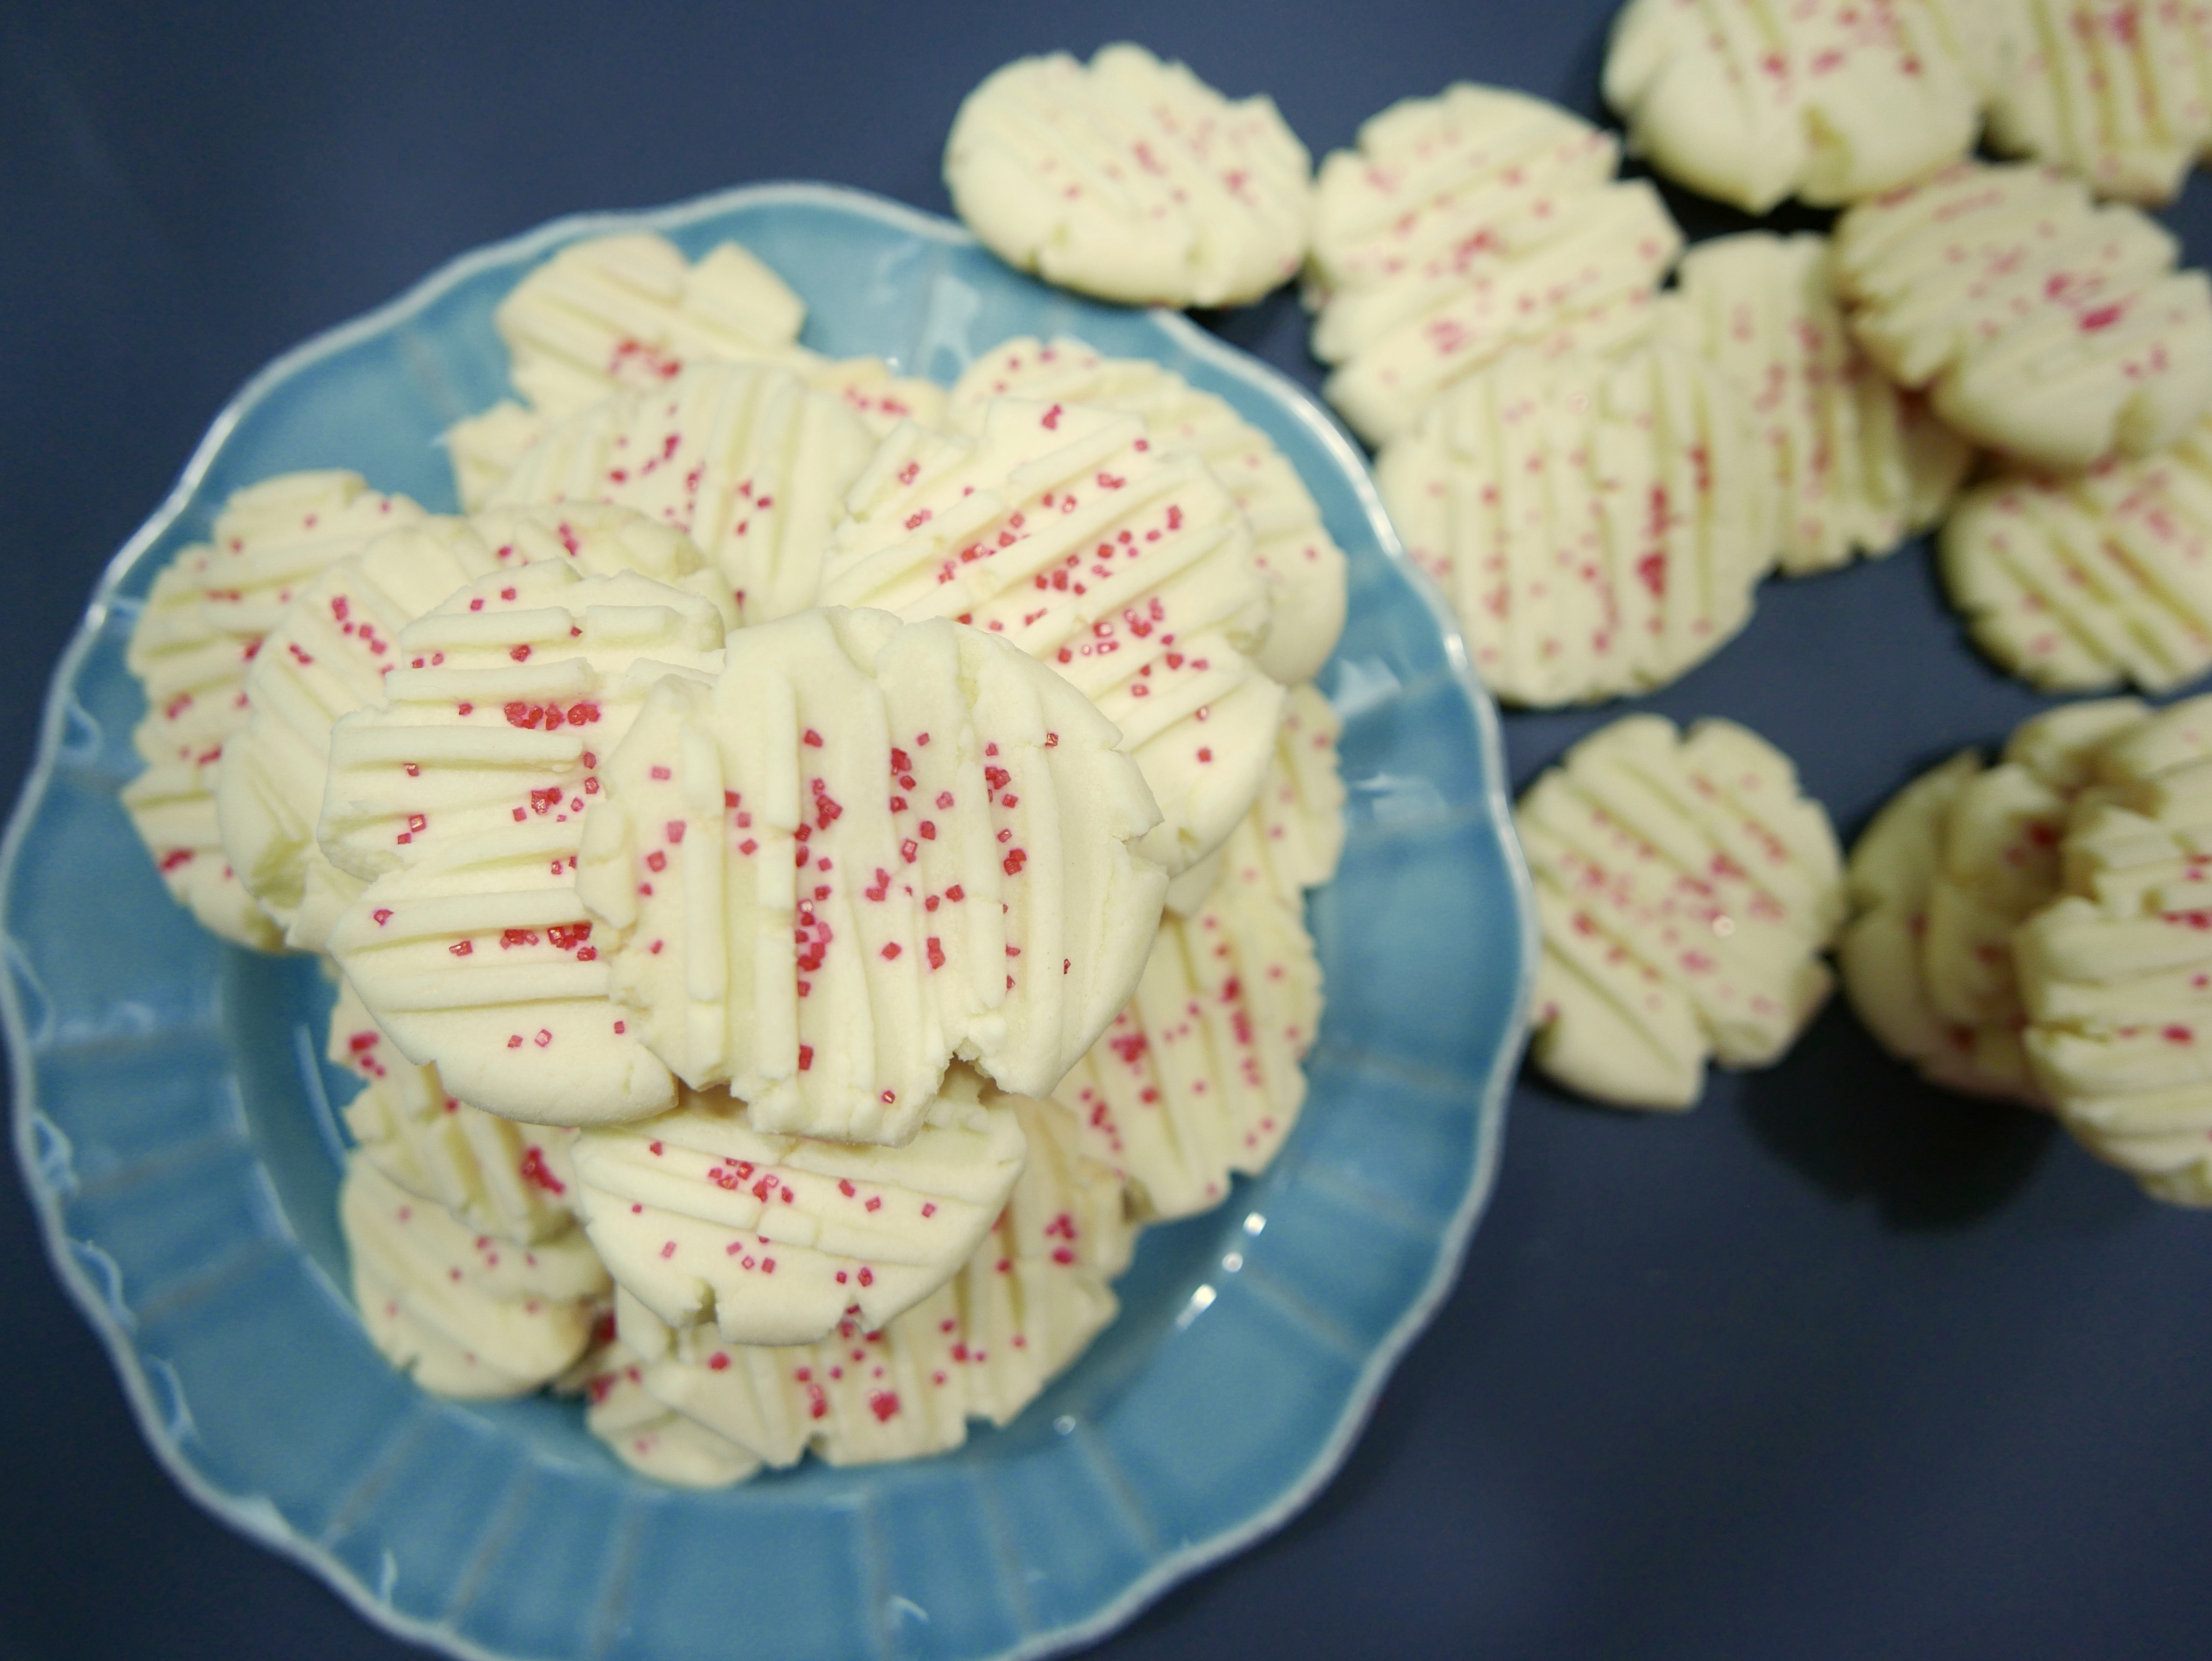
{"x":2037,"y":930}
{"x":1598,"y":471}
{"x":811,"y":861}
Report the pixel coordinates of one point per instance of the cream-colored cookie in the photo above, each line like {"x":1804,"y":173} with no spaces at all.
{"x":626,"y":310}
{"x":467,"y":1314}
{"x":646,"y":1435}
{"x":774,"y":1239}
{"x":744,"y":460}
{"x":1598,"y":527}
{"x":869,"y":847}
{"x":330,"y":652}
{"x":2038,"y":323}
{"x":1942,"y":878}
{"x":2083,"y":581}
{"x":460,"y":801}
{"x":192,"y":648}
{"x":1293,"y":836}
{"x":2116,"y":91}
{"x":327,"y":655}
{"x":1024,"y":1307}
{"x":510,"y":1180}
{"x":1200,"y":1076}
{"x":629,"y":310}
{"x":1853,"y":465}
{"x":1830,"y":101}
{"x":1123,"y":565}
{"x":2117,"y":975}
{"x":1303,"y":567}
{"x":878,"y":394}
{"x":1131,"y":179}
{"x":1464,"y":224}
{"x":1685,"y":889}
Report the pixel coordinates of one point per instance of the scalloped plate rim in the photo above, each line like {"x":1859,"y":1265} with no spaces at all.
{"x":254,"y":1515}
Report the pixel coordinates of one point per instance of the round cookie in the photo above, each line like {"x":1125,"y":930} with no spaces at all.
{"x":467,"y":1315}
{"x":703,"y":1218}
{"x":627,"y":310}
{"x":1123,"y":565}
{"x":1464,"y":224}
{"x":1942,"y":878}
{"x":869,"y":847}
{"x":331,"y":649}
{"x":1199,"y":1077}
{"x":1305,"y":568}
{"x":744,"y":460}
{"x":616,"y":311}
{"x":1684,"y":890}
{"x":2038,"y":323}
{"x":460,"y":801}
{"x":1024,"y":1307}
{"x":192,"y":649}
{"x":2117,"y":974}
{"x":500,"y":1177}
{"x":1598,"y":527}
{"x":1853,"y":465}
{"x":1293,"y":836}
{"x":648,"y":1437}
{"x":2120,"y":95}
{"x":2084,"y":580}
{"x":1131,"y":179}
{"x":1829,"y":100}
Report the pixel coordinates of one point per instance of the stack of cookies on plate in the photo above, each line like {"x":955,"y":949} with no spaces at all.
{"x":812,"y":860}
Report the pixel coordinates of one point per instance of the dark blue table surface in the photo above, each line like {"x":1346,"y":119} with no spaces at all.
{"x":1835,"y":1366}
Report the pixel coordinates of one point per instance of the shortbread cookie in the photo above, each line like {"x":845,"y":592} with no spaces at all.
{"x":744,"y":460}
{"x":1131,"y":179}
{"x":501,"y":1178}
{"x":649,"y":1437}
{"x":878,"y":395}
{"x":868,"y":848}
{"x":1022,"y":1309}
{"x":1305,"y":568}
{"x":2083,"y":581}
{"x":1942,"y":878}
{"x":1829,"y":100}
{"x":193,"y":647}
{"x":328,"y":656}
{"x":487,"y":447}
{"x":1685,"y":889}
{"x":1462,"y":225}
{"x":1598,"y":527}
{"x":703,"y":1218}
{"x":1293,"y":836}
{"x":459,"y":800}
{"x":1853,"y":465}
{"x":629,"y":310}
{"x":1292,"y":839}
{"x":2038,"y":323}
{"x":2120,"y":93}
{"x":467,"y":1314}
{"x":1199,"y":1076}
{"x":1123,"y":565}
{"x":626,"y":310}
{"x":2117,"y":975}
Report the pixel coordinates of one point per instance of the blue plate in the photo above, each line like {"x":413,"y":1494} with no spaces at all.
{"x":174,"y":1121}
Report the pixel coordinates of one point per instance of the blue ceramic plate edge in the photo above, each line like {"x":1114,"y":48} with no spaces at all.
{"x":256,"y":1517}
